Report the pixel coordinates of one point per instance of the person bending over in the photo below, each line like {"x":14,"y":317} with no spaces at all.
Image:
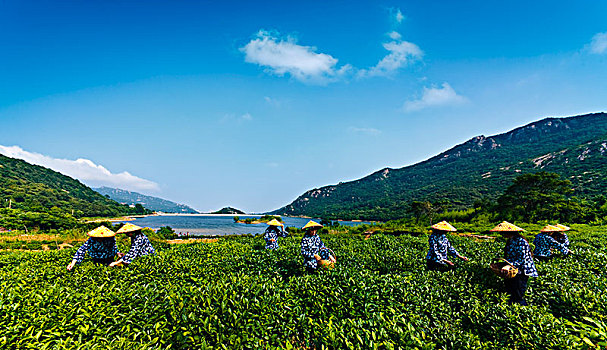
{"x":140,"y":244}
{"x":275,"y":229}
{"x":439,"y":248}
{"x":544,"y":244}
{"x":101,"y":247}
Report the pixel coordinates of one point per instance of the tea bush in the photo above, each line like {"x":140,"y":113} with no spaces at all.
{"x":233,"y":294}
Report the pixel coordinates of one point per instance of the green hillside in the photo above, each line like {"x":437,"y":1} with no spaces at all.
{"x":37,"y":189}
{"x":481,"y":168}
{"x":229,"y":210}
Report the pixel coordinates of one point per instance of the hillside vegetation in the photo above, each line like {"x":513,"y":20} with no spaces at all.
{"x":32,"y":188}
{"x":229,"y":210}
{"x":479,"y":169}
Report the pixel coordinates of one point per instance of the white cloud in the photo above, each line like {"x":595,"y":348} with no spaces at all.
{"x":398,"y":16}
{"x":401,"y":53}
{"x":394,"y":35}
{"x":364,"y":131}
{"x":272,"y":101}
{"x":82,"y":169}
{"x":231,"y":118}
{"x":435,"y":96}
{"x":598,"y":45}
{"x":283,"y":56}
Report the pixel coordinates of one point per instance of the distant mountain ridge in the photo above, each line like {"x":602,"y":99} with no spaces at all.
{"x":482,"y":167}
{"x":148,"y":202}
{"x":38,"y":189}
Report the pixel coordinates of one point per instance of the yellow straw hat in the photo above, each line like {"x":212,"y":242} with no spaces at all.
{"x":311,"y":224}
{"x":102,"y":232}
{"x":274,"y":222}
{"x":129,"y":228}
{"x":443,"y":226}
{"x":550,"y":228}
{"x":562,"y":227}
{"x":506,"y":227}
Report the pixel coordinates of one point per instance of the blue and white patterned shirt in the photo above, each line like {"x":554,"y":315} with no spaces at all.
{"x":140,"y":246}
{"x":98,"y":248}
{"x":544,"y":243}
{"x":518,"y":253}
{"x":438,"y":248}
{"x":271,"y":236}
{"x":310,"y":245}
{"x":562,"y":238}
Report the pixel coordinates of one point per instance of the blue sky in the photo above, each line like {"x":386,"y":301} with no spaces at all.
{"x":249,"y":104}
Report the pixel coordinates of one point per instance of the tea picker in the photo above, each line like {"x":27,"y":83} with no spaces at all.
{"x":313,"y":250}
{"x":439,"y":248}
{"x":561,"y":236}
{"x":101,"y":247}
{"x":545,"y":242}
{"x":140,"y":244}
{"x":517,"y":265}
{"x":274,"y":230}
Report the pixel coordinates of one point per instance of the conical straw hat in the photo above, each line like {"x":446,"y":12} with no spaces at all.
{"x":311,"y":224}
{"x":274,"y":222}
{"x":444,"y":226}
{"x":506,"y":227}
{"x":129,"y":228}
{"x":562,"y":227}
{"x":102,"y":232}
{"x":550,"y":228}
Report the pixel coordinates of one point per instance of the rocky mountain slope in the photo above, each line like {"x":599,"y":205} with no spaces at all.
{"x":482,"y":167}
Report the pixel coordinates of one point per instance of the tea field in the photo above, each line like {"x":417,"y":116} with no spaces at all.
{"x":232,"y":294}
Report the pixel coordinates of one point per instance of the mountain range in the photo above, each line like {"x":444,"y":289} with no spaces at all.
{"x":148,"y":202}
{"x":480,"y":168}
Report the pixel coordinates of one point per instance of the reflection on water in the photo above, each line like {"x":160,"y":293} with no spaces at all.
{"x":207,"y":225}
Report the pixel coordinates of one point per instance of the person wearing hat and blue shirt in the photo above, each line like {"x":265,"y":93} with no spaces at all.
{"x":544,"y":243}
{"x":101,"y":247}
{"x":140,"y":244}
{"x":517,"y":253}
{"x":439,"y":248}
{"x":274,"y":230}
{"x":313,"y":249}
{"x":561,"y":236}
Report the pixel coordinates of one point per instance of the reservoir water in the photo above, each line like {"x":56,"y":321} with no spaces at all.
{"x":211,"y":225}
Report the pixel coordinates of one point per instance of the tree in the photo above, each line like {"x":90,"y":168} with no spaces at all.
{"x":534,"y":197}
{"x":426,"y":209}
{"x":166,"y":232}
{"x":139,"y":209}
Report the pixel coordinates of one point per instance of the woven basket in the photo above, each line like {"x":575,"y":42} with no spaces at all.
{"x":327,"y":264}
{"x":504,"y":269}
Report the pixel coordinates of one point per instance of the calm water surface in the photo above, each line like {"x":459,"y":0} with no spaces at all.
{"x":211,"y":225}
